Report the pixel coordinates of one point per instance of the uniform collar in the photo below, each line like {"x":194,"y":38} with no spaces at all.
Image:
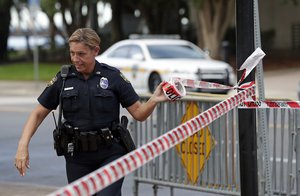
{"x":96,"y":71}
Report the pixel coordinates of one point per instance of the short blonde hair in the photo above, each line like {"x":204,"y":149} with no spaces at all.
{"x":87,"y":36}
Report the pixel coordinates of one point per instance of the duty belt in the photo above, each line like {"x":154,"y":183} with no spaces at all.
{"x":74,"y":140}
{"x":92,"y":140}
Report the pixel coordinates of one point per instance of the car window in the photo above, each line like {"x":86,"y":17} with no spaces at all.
{"x":121,"y":52}
{"x":135,"y":51}
{"x":128,"y":51}
{"x":174,"y":51}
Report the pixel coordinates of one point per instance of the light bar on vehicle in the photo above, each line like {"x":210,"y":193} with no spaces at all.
{"x":154,"y":36}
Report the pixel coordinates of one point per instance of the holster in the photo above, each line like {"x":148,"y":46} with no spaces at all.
{"x":64,"y":140}
{"x":125,"y":136}
{"x":57,"y":143}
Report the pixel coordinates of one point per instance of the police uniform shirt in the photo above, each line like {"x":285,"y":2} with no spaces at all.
{"x":92,"y":103}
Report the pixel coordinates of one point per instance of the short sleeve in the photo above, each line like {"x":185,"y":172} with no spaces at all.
{"x":127,"y":94}
{"x":49,"y":98}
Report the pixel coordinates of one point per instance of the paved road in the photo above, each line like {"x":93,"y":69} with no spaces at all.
{"x":16,"y":101}
{"x":47,"y":171}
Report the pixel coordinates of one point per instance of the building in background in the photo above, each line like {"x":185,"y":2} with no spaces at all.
{"x":280,"y":25}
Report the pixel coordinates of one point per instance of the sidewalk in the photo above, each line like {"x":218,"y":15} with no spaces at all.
{"x":21,"y":88}
{"x":19,"y":189}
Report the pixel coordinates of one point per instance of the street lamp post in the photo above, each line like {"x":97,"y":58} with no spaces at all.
{"x":34,"y":6}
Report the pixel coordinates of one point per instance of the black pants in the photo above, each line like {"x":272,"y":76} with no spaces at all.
{"x":83,"y":163}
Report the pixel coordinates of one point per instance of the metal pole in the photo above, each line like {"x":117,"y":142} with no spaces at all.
{"x":291,"y":137}
{"x":297,"y":153}
{"x":34,"y":6}
{"x":247,"y":118}
{"x":263,"y":132}
{"x":35,"y":54}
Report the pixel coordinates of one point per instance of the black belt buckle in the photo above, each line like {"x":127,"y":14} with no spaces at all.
{"x":107,"y":136}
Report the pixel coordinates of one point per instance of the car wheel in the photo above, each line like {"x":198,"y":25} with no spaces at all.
{"x":154,"y":81}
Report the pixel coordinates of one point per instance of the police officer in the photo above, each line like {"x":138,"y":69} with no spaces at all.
{"x":90,"y":100}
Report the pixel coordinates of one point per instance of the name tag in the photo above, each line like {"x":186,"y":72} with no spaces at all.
{"x":68,"y":88}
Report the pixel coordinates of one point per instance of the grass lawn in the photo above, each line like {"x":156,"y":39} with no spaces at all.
{"x":25,"y":71}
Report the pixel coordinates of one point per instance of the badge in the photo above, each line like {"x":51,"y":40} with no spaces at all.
{"x":124,"y":78}
{"x":103,"y":83}
{"x":51,"y":82}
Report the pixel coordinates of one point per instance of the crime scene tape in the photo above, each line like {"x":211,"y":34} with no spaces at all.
{"x":104,"y":176}
{"x":269,"y":104}
{"x":175,"y":88}
{"x":250,"y":63}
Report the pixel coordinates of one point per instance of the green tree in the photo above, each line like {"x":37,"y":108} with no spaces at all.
{"x":80,"y":19}
{"x":161,"y":16}
{"x":5,"y":6}
{"x":212,"y":19}
{"x":77,"y":10}
{"x":116,"y":22}
{"x":49,"y":8}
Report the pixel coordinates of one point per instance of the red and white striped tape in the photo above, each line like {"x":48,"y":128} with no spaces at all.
{"x":250,"y":63}
{"x":210,"y":85}
{"x":200,"y":84}
{"x":270,"y":104}
{"x":175,"y":88}
{"x":119,"y":168}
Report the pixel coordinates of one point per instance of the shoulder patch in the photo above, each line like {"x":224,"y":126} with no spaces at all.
{"x":52,"y":81}
{"x":124,"y":78}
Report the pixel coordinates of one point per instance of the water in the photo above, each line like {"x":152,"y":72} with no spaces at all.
{"x":19,"y":42}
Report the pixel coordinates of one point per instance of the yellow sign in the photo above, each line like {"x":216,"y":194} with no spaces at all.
{"x":195,"y":150}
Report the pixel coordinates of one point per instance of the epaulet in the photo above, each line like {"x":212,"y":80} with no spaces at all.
{"x":63,"y":73}
{"x":109,"y":67}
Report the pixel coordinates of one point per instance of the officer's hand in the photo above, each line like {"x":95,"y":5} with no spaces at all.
{"x":159,"y":94}
{"x":22,"y":160}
